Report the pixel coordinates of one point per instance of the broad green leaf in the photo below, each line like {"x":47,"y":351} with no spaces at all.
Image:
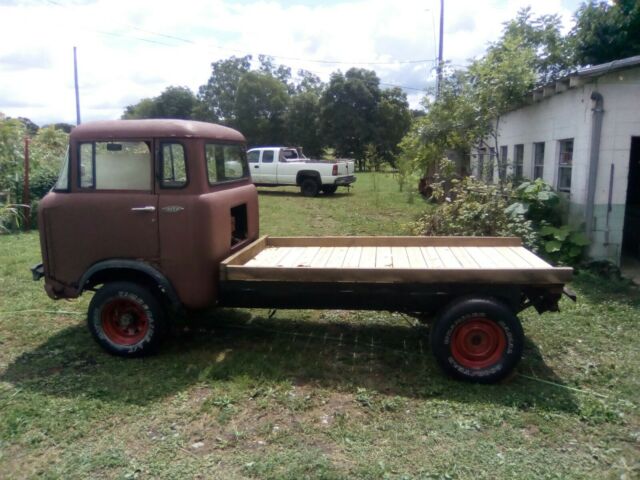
{"x":552,"y":246}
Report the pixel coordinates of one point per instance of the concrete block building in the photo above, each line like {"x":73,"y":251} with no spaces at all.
{"x":581,"y":134}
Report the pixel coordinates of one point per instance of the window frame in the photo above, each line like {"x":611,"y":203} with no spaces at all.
{"x":535,"y":158}
{"x":147,"y":141}
{"x":245,"y":167}
{"x":565,"y":166}
{"x":160,"y":175}
{"x":518,"y":160}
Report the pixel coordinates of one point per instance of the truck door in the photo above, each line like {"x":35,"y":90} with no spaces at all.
{"x":253,"y":158}
{"x":268,"y":167}
{"x":112,"y":212}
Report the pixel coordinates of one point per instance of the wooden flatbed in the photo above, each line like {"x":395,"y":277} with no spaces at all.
{"x":418,"y":260}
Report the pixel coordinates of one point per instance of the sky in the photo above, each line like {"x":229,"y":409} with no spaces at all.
{"x":129,"y":50}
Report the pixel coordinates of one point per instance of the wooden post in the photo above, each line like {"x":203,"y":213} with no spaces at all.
{"x":25,"y":187}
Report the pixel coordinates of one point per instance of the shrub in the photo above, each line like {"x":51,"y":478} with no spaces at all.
{"x":471,"y":207}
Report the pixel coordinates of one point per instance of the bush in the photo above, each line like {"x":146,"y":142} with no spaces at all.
{"x":472,"y":207}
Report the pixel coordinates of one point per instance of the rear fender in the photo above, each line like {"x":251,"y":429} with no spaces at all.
{"x":116,"y":270}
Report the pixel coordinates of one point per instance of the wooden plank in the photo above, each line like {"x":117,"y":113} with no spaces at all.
{"x":291,"y":258}
{"x":416,"y":260}
{"x":267,"y":257}
{"x":368,"y":257}
{"x":308,"y":256}
{"x":383,"y":257}
{"x":399,"y":257}
{"x":247,"y":253}
{"x":320,"y":260}
{"x":480,"y":257}
{"x":352,"y":259}
{"x":449,"y":260}
{"x":385,"y":241}
{"x":498,"y":259}
{"x":464,"y":258}
{"x":537,"y":276}
{"x":534,"y":260}
{"x":513,"y":257}
{"x":431,"y":257}
{"x":337,"y":257}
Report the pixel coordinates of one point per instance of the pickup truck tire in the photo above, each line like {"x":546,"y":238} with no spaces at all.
{"x":477,"y":339}
{"x":126,"y":319}
{"x":329,"y":189}
{"x":309,"y":187}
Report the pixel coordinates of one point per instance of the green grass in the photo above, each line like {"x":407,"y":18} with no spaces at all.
{"x":313,"y":394}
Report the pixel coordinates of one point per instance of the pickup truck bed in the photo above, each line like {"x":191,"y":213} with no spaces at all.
{"x":410,"y":274}
{"x":391,"y":260}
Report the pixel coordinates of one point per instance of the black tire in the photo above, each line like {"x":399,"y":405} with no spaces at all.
{"x":126,"y":319}
{"x":309,"y":187}
{"x":329,"y":189}
{"x":477,"y":339}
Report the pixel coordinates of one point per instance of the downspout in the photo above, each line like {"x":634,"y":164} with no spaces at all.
{"x":594,"y":159}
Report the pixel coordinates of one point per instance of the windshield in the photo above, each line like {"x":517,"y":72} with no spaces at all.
{"x":63,"y":179}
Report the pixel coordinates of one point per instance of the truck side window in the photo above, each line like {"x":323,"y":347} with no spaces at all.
{"x":253,"y":157}
{"x":115,"y":165}
{"x":225,"y":162}
{"x":267,"y":156}
{"x":174,"y":165}
{"x":87,"y":156}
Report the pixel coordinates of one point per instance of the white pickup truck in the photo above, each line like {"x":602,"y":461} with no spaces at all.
{"x":276,"y":166}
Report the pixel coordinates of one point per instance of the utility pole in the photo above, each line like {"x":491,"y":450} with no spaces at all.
{"x":439,"y":69}
{"x":75,"y":77}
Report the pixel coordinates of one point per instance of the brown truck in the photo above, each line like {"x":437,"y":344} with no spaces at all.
{"x":159,"y":217}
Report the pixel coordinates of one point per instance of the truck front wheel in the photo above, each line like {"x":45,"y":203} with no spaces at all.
{"x":126,"y":319}
{"x":477,"y":339}
{"x":309,"y":187}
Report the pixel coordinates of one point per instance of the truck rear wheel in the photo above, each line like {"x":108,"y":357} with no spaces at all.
{"x":478,"y":340}
{"x":309,"y":187}
{"x":329,"y":189}
{"x":126,"y":319}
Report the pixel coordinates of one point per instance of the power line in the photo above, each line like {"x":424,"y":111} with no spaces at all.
{"x":282,"y":57}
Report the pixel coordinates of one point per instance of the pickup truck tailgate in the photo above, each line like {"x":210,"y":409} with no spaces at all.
{"x":488,"y":260}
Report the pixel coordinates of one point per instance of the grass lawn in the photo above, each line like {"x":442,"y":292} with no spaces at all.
{"x":314,"y":394}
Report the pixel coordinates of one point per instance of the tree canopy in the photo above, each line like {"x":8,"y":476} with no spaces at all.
{"x":604,"y":32}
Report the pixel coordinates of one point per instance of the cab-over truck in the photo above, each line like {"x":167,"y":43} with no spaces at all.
{"x":159,"y":217}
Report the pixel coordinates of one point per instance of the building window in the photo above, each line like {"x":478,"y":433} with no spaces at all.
{"x":565,"y":163}
{"x":518,"y":161}
{"x":538,"y":159}
{"x":504,"y":153}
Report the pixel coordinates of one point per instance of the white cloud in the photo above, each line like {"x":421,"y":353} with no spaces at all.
{"x":121,"y":61}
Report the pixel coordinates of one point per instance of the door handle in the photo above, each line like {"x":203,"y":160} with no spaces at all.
{"x":149,"y":208}
{"x":256,"y":166}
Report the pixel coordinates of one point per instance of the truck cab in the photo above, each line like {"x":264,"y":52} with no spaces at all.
{"x":161,"y":201}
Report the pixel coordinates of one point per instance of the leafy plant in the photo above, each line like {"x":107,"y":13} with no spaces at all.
{"x":536,"y":200}
{"x":564,"y":244}
{"x":471,"y":207}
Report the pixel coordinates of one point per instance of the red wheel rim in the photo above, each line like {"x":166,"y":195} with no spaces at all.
{"x":478,"y":343}
{"x":124,"y":321}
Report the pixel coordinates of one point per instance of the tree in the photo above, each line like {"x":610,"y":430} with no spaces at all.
{"x":394,"y":120}
{"x":218,"y":96}
{"x":279,"y":72}
{"x":349,"y":110}
{"x":303,"y":124}
{"x":605,"y":32}
{"x":174,"y":102}
{"x":12,"y":133}
{"x":543,"y":35}
{"x":259,"y":109}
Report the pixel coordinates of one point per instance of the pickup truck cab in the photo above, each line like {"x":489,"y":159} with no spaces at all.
{"x":160,"y":217}
{"x":277,"y":166}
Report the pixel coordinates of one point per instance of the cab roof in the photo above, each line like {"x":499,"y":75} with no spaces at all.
{"x":163,"y":128}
